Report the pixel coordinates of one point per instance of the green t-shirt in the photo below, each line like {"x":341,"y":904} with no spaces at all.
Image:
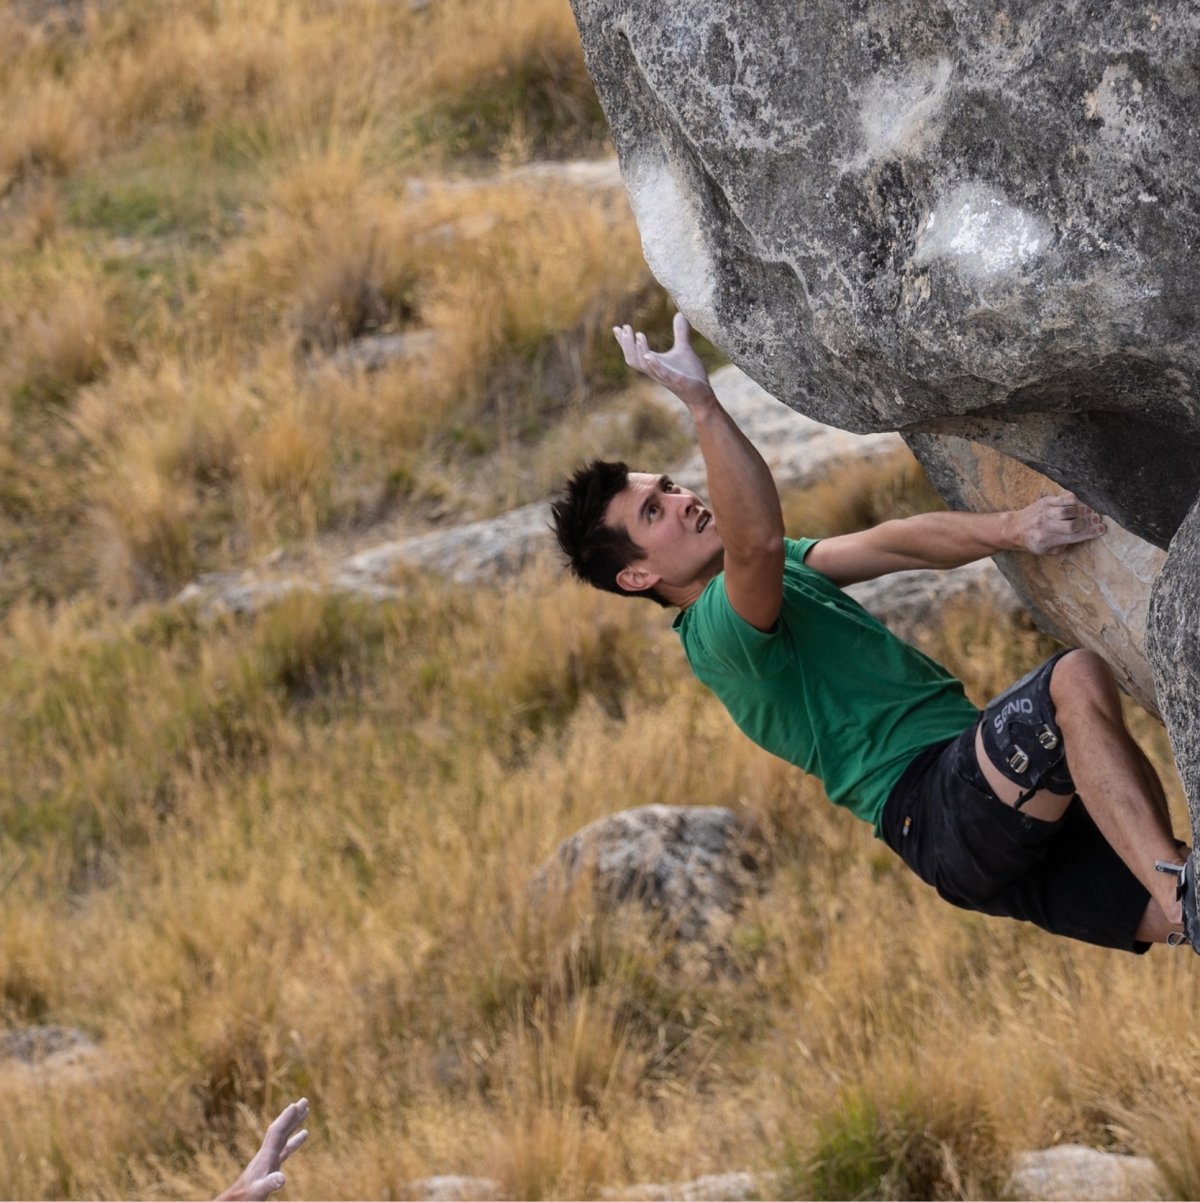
{"x":829,"y":689}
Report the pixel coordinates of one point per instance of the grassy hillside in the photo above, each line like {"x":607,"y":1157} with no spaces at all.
{"x":255,"y":858}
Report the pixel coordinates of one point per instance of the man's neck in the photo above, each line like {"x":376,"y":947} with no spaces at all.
{"x":686,"y":595}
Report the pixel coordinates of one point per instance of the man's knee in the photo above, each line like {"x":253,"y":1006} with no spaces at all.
{"x":1082,"y":683}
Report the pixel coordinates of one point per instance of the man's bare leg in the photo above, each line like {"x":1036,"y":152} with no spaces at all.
{"x":1155,"y":927}
{"x":1115,"y":781}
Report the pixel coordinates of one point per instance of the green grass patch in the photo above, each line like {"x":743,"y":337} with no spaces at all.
{"x":164,"y":188}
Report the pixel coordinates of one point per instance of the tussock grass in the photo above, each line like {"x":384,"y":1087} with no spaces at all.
{"x":46,"y":134}
{"x":230,"y":847}
{"x":291,"y":854}
{"x":68,"y":332}
{"x":515,"y":83}
{"x":212,"y":203}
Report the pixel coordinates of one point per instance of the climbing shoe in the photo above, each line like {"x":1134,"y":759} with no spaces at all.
{"x":1185,"y":892}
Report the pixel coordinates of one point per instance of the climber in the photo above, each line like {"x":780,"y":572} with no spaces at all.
{"x":1041,"y":808}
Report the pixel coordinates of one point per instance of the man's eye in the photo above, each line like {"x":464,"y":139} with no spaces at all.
{"x":651,"y":511}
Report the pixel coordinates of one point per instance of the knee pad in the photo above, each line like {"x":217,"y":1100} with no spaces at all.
{"x":1023,"y":739}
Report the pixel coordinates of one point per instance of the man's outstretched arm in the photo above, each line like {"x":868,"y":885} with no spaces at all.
{"x":947,"y":540}
{"x":742,"y":492}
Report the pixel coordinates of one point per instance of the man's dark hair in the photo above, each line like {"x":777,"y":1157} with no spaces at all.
{"x":596,"y":552}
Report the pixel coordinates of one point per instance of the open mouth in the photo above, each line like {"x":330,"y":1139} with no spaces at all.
{"x":703,"y":522}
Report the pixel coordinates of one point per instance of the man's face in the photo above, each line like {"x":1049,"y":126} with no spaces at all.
{"x":675,"y":531}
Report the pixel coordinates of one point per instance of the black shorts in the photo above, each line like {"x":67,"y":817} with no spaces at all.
{"x":946,"y":823}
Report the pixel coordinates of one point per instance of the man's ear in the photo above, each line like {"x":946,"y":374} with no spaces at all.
{"x":636,"y":580}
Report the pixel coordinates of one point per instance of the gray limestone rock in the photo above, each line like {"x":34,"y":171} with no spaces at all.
{"x":374,"y":352}
{"x":33,"y":1045}
{"x":690,"y":866}
{"x":797,"y":449}
{"x":1073,"y":1171}
{"x":453,"y":1189}
{"x":50,"y":1053}
{"x":942,"y":217}
{"x":958,"y":221}
{"x":909,"y":602}
{"x":469,"y":554}
{"x":714,"y":1187}
{"x":1173,"y":638}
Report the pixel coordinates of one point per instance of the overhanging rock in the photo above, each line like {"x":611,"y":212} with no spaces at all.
{"x":958,"y":221}
{"x":897,"y":215}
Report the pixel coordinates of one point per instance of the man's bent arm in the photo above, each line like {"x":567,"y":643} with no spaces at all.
{"x":742,"y":492}
{"x":947,"y":540}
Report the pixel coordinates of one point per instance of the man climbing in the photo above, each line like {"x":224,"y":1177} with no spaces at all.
{"x":1042,"y":808}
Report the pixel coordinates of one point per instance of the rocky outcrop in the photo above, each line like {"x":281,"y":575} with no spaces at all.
{"x":961,"y":222}
{"x":1174,"y":644}
{"x":714,"y":1187}
{"x":951,"y":217}
{"x":691,"y":867}
{"x":910,"y":602}
{"x":48,"y":1053}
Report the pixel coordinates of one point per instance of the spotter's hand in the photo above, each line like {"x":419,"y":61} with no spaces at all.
{"x":678,"y":369}
{"x":1052,"y":524}
{"x":261,"y":1176}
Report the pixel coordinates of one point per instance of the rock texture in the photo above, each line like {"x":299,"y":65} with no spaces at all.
{"x":797,"y":449}
{"x":909,"y":602}
{"x":965,"y":218}
{"x":715,"y":1187}
{"x":690,"y":866}
{"x":46,"y":1053}
{"x":1073,"y":1171}
{"x":957,"y":221}
{"x":1097,"y":595}
{"x":1174,"y":644}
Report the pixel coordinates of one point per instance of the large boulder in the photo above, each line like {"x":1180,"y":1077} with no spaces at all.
{"x":898,"y":215}
{"x":690,"y":867}
{"x":957,"y":221}
{"x":1174,"y":647}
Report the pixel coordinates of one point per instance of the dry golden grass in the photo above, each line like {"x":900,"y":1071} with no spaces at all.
{"x":68,"y":331}
{"x":45,"y":132}
{"x":259,"y":818}
{"x":860,"y":494}
{"x":289,"y":855}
